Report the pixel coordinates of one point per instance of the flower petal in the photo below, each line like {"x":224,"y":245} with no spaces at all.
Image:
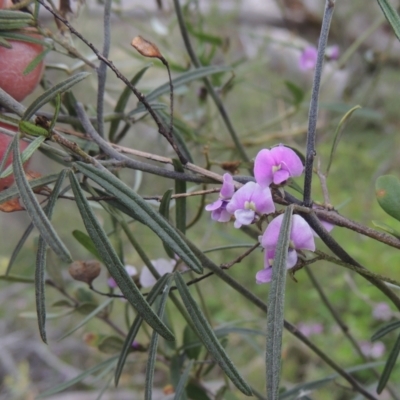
{"x":301,"y":234}
{"x":281,"y":176}
{"x":270,"y":237}
{"x":244,"y":217}
{"x":221,"y":215}
{"x":288,"y":160}
{"x":262,"y":199}
{"x":240,"y":197}
{"x":162,"y":266}
{"x":264,"y":276}
{"x":263,"y":167}
{"x":228,"y":187}
{"x":214,"y":206}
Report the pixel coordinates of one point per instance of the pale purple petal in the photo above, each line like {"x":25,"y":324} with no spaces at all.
{"x":332,"y":52}
{"x":262,"y":198}
{"x":264,"y":276}
{"x":131,"y":270}
{"x":301,"y":234}
{"x":308,"y":58}
{"x":281,"y":176}
{"x":288,"y":159}
{"x":263,"y":167}
{"x":270,"y":237}
{"x":228,"y":187}
{"x":214,"y":206}
{"x":240,"y":197}
{"x":161,"y":265}
{"x":111,"y":283}
{"x":382,"y":311}
{"x":221,"y":215}
{"x":244,"y":217}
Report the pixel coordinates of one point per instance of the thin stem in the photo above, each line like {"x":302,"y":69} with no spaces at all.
{"x":102,"y":69}
{"x":313,"y":114}
{"x":207,"y":83}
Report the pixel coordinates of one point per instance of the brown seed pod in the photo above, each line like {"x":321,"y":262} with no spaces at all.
{"x":85,"y":271}
{"x":146,"y":48}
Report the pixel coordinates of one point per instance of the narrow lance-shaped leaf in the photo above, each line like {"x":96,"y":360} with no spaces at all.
{"x":34,"y":210}
{"x":151,"y":359}
{"x":123,"y":101}
{"x":180,"y":389}
{"x":130,"y":337}
{"x":391,"y":15}
{"x":143,"y":212}
{"x":390,"y":364}
{"x":86,"y":242}
{"x":180,"y":187}
{"x":26,"y":155}
{"x":77,"y":379}
{"x":113,"y":263}
{"x":41,"y":262}
{"x":13,"y":192}
{"x":164,"y":211}
{"x":208,"y":337}
{"x":385,"y":330}
{"x":275,"y":315}
{"x":48,"y":95}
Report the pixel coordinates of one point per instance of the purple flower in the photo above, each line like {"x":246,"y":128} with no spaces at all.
{"x":373,"y":350}
{"x":308,"y":58}
{"x":218,"y":208}
{"x":332,"y":52}
{"x":161,"y":265}
{"x":276,"y":165}
{"x":310,"y":329}
{"x":250,"y":199}
{"x":301,"y":238}
{"x":382,"y":312}
{"x":130,"y":269}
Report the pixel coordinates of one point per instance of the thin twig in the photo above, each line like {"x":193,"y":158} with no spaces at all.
{"x":313,"y":114}
{"x":102,"y":70}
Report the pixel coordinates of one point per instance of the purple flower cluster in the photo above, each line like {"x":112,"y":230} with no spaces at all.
{"x":254,"y":199}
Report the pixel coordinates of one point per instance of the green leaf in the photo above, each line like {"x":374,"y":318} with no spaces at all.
{"x":78,"y":378}
{"x":391,"y":15}
{"x":19,"y":246}
{"x":386,"y":228}
{"x":185,"y":78}
{"x":384,"y":330}
{"x":180,"y":389}
{"x":151,"y":359}
{"x":390,"y":364}
{"x":191,"y":344}
{"x":41,"y":262}
{"x":143,"y":212}
{"x":12,"y":192}
{"x":123,"y":101}
{"x":387,"y":190}
{"x":34,"y":209}
{"x":113,"y":263}
{"x":296,"y":91}
{"x":49,"y":94}
{"x":276,"y":301}
{"x":180,"y":209}
{"x":12,"y":35}
{"x":338,"y":134}
{"x":10,"y":15}
{"x":88,"y":317}
{"x":164,"y":211}
{"x":110,"y":344}
{"x":208,"y":337}
{"x":130,"y":337}
{"x":25,"y":156}
{"x":86,"y":242}
{"x":35,"y":62}
{"x":196,"y":392}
